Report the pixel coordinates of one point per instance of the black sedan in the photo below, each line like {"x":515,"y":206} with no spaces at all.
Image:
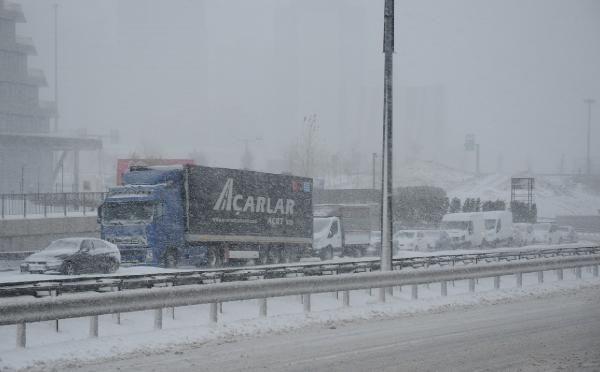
{"x":73,"y":256}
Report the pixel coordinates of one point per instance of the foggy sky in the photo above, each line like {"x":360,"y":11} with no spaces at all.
{"x":178,"y":76}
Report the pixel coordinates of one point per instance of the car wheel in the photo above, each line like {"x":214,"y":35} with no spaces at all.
{"x":326,"y":253}
{"x":68,"y":269}
{"x":111,"y":267}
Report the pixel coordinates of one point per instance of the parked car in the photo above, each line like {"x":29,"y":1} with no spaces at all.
{"x":546,"y":233}
{"x":567,"y":234}
{"x":522,"y":234}
{"x":409,"y":240}
{"x":437,"y":239}
{"x":73,"y":256}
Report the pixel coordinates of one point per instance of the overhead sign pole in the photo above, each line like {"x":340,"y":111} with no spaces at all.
{"x":386,"y":189}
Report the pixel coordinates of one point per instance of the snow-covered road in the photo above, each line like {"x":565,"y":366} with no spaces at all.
{"x":561,"y":331}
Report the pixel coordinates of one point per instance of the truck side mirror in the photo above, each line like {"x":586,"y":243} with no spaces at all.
{"x":99,"y":217}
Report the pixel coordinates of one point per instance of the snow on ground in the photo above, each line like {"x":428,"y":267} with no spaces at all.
{"x":190,"y":324}
{"x":554,"y":195}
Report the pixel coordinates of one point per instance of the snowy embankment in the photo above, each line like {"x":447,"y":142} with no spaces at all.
{"x":554,"y":195}
{"x":190,"y":325}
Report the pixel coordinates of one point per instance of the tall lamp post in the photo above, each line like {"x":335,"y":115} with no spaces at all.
{"x":588,"y":163}
{"x":386,"y":179}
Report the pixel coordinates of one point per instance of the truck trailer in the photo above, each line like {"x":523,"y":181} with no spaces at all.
{"x":188,"y":214}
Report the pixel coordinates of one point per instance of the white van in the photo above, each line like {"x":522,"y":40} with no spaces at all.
{"x":465,"y":229}
{"x":498,"y":228}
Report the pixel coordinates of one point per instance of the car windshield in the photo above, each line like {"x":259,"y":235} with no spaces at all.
{"x":132,"y":212}
{"x":61,"y":245}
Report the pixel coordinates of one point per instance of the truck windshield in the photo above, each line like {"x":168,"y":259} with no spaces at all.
{"x":131,"y":212}
{"x":320,"y":224}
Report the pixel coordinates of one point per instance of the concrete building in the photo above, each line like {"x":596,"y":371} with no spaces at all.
{"x":30,"y":157}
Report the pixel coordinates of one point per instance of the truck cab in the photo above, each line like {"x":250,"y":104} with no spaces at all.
{"x":144,"y":217}
{"x":328,"y":236}
{"x":498,"y":228}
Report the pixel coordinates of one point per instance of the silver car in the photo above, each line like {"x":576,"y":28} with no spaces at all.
{"x":73,"y":256}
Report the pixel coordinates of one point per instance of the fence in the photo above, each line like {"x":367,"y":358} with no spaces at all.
{"x":50,"y":204}
{"x":20,"y":311}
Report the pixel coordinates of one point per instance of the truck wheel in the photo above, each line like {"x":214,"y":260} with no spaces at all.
{"x":275,"y":255}
{"x":214,"y":257}
{"x":170,"y":259}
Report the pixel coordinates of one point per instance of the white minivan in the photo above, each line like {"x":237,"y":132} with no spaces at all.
{"x":498,"y":228}
{"x":465,"y":229}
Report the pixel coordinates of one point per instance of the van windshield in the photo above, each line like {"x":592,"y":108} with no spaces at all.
{"x":456,"y":225}
{"x":320,"y":224}
{"x":490,"y":224}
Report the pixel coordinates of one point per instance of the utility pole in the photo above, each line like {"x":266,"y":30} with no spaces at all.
{"x":56,"y":66}
{"x":477,"y":169}
{"x":374,"y":170}
{"x":589,"y":103}
{"x":22,"y":188}
{"x":386,"y":179}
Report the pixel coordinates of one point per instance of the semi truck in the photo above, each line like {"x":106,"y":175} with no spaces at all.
{"x":206,"y":216}
{"x":343,"y":229}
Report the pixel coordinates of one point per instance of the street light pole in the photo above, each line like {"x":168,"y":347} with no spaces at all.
{"x":386,"y":189}
{"x":374,"y":170}
{"x":589,"y":103}
{"x":56,"y":66}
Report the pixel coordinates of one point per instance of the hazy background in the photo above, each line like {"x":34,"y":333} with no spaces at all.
{"x":182,"y":75}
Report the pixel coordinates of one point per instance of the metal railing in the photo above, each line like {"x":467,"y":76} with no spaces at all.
{"x":37,"y":287}
{"x":50,"y":204}
{"x":21,"y":312}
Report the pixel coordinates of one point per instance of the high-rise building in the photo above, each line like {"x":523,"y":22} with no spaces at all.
{"x":27,"y":149}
